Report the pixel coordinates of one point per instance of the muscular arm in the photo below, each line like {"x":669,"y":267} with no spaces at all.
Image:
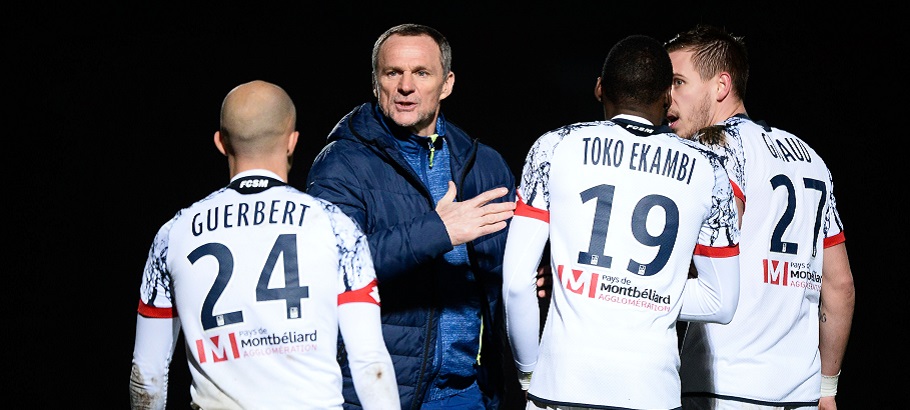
{"x":835,"y":308}
{"x":156,"y":339}
{"x":712,"y":295}
{"x":371,"y":365}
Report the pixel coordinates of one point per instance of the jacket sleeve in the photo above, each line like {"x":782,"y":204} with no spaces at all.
{"x":396,"y":249}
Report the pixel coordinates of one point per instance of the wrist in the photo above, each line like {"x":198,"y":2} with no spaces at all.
{"x":524,"y":379}
{"x":829,"y":385}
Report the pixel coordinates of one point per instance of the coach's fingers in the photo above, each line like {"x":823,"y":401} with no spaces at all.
{"x":488,"y":196}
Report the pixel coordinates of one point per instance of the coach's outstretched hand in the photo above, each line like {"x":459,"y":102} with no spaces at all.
{"x":471,"y":219}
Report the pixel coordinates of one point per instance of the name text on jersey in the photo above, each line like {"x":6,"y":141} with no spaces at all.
{"x":642,"y":157}
{"x":249,"y":214}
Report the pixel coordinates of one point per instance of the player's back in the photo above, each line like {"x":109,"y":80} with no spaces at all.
{"x":769,"y":352}
{"x":256,"y":279}
{"x":627,"y":207}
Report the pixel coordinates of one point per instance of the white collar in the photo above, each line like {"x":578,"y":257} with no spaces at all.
{"x":631,"y":117}
{"x":258,"y":172}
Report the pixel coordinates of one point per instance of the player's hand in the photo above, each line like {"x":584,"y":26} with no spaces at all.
{"x":471,"y":219}
{"x":544,"y":281}
{"x":827,"y":403}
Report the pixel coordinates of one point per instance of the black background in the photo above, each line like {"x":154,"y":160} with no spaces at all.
{"x":113,"y":112}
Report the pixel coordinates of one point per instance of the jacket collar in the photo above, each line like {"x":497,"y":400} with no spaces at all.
{"x":366,"y":124}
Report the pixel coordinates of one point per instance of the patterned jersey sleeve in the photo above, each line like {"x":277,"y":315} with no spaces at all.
{"x":155,"y":297}
{"x":357,"y":277}
{"x":534,"y":190}
{"x":733,"y":157}
{"x":719,"y":234}
{"x":833,"y":227}
{"x":712,"y":296}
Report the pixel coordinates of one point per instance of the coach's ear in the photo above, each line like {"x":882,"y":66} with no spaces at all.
{"x":220,"y":144}
{"x":447,"y":86}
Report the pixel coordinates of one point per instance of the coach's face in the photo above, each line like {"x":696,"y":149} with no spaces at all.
{"x":410,"y":84}
{"x":693,"y":102}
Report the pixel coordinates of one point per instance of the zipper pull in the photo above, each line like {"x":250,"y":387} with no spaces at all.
{"x":432,"y":143}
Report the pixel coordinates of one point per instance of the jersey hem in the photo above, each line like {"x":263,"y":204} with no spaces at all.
{"x":752,"y":401}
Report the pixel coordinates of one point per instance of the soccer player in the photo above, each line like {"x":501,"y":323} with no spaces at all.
{"x":624,"y":204}
{"x":263,"y":277}
{"x":784,"y":347}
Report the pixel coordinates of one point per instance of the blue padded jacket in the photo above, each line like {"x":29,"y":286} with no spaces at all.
{"x":363,"y":172}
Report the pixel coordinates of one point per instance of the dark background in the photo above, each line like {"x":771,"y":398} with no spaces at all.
{"x":113,"y":112}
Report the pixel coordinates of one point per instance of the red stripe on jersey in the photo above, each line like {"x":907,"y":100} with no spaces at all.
{"x":834,"y":240}
{"x":738,"y":192}
{"x":717,"y":252}
{"x":368,"y":294}
{"x":157,"y":312}
{"x":523,"y":209}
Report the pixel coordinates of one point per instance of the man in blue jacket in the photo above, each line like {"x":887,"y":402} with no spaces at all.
{"x":435,"y":205}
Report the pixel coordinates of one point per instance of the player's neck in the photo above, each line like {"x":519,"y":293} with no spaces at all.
{"x":725,"y":111}
{"x":280,"y":168}
{"x":653,"y":113}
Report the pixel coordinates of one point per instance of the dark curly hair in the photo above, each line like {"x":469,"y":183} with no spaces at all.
{"x":637,"y":71}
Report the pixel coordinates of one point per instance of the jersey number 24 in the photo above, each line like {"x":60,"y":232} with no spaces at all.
{"x":291,"y":293}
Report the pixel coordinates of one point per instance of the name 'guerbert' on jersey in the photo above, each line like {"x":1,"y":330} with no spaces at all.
{"x":248,"y":214}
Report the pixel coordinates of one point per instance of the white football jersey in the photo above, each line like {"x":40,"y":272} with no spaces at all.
{"x":257,"y":271}
{"x":769,"y":353}
{"x":624,"y":205}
